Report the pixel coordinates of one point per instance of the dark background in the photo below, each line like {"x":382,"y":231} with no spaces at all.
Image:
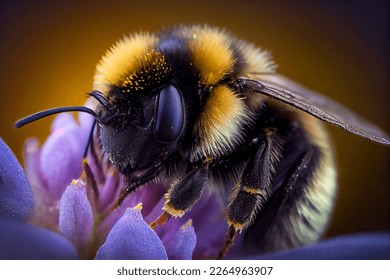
{"x":48,"y":51}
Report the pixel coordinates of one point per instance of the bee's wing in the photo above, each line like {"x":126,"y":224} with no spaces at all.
{"x":282,"y":89}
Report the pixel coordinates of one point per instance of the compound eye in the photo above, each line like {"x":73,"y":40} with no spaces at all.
{"x":169,"y":116}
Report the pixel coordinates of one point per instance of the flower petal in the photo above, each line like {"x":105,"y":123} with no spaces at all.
{"x":363,"y":246}
{"x":32,"y":166}
{"x":108,"y":192}
{"x":61,"y":157}
{"x":45,"y":209}
{"x":131,"y":238}
{"x":183,"y":243}
{"x":16,"y":197}
{"x":62,"y":121}
{"x":210,"y":228}
{"x":147,"y":195}
{"x":20,"y":241}
{"x":76,"y":215}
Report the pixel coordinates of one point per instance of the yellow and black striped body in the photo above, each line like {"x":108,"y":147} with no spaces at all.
{"x":174,"y":112}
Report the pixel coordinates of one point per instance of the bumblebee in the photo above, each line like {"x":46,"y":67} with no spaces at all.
{"x":196,"y":108}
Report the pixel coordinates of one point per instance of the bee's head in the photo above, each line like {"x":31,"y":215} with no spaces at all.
{"x":140,"y":129}
{"x":141,"y":111}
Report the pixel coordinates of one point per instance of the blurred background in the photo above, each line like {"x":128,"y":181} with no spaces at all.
{"x":48,"y":51}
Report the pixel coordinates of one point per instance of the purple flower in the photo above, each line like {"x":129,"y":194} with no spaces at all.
{"x":20,"y":240}
{"x":62,"y":201}
{"x":53,"y":211}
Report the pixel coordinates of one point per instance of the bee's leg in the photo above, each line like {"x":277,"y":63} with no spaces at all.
{"x":160,"y":220}
{"x":147,"y":177}
{"x":254,"y":187}
{"x":231,"y":234}
{"x":185,"y":192}
{"x":133,"y":184}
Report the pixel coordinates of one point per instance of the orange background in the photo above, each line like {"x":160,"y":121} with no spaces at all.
{"x":48,"y":51}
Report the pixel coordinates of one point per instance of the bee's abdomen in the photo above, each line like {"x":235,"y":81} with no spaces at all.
{"x":303,"y":190}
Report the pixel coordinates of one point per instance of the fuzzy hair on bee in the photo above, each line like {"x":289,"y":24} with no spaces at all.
{"x":196,"y":108}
